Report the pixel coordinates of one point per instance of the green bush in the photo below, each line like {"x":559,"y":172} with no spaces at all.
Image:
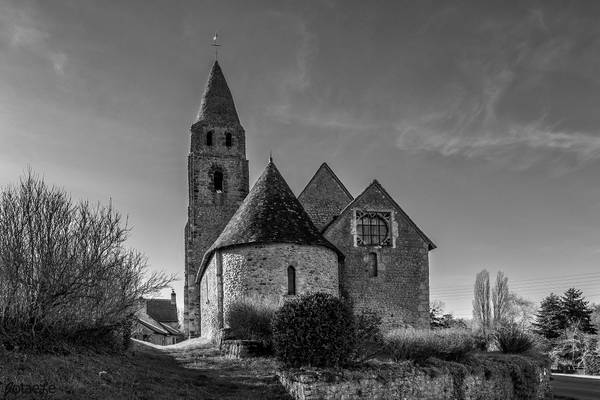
{"x":512,"y":339}
{"x":250,"y":318}
{"x":315,"y":329}
{"x":419,"y":345}
{"x":369,"y":340}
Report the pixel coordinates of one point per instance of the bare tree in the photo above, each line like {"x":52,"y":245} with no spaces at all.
{"x":64,"y":266}
{"x":520,"y":311}
{"x":481,"y":302}
{"x":500,"y":300}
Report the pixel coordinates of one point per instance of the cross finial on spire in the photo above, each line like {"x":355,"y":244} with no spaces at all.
{"x":216,"y":45}
{"x":270,"y":156}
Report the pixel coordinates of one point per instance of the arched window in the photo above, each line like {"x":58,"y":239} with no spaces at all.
{"x":209,"y":138}
{"x":218,"y":181}
{"x":291,"y":272}
{"x":372,"y":264}
{"x":372,"y":229}
{"x":228,"y":139}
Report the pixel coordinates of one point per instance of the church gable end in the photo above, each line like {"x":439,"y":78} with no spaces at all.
{"x":324,"y":197}
{"x":386,"y":266}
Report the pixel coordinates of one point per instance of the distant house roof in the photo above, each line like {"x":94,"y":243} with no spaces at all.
{"x":154,"y":327}
{"x":269,"y":214}
{"x":162,"y":310}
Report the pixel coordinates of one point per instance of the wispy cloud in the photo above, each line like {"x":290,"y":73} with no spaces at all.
{"x":19,"y":26}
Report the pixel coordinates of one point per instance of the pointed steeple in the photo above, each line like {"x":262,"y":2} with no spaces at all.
{"x":270,"y":214}
{"x":217,"y":107}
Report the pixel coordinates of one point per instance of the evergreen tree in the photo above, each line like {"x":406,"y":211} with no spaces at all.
{"x":576,"y":311}
{"x":550,"y":321}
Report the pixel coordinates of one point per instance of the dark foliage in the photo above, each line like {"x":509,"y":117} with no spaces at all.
{"x":559,"y":313}
{"x":419,"y":345}
{"x":369,"y":340}
{"x":577,"y":311}
{"x":316,"y":330}
{"x":251,"y":319}
{"x":549,"y":319}
{"x":512,"y":339}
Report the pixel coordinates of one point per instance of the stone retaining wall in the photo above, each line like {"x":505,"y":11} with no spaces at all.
{"x":401,"y":381}
{"x":241,"y":348}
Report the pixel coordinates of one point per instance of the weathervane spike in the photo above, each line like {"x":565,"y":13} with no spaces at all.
{"x":270,"y":156}
{"x":216,"y":45}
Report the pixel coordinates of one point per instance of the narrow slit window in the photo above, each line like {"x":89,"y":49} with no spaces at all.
{"x":209,"y":138}
{"x":218,"y":181}
{"x":291,"y":275}
{"x":372,"y":265}
{"x":228,"y":139}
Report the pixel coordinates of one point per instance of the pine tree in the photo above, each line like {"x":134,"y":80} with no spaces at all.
{"x":550,"y":321}
{"x":576,"y":311}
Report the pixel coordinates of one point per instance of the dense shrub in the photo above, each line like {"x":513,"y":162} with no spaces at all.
{"x":512,"y":339}
{"x":250,"y":318}
{"x":65,"y":271}
{"x":315,"y":329}
{"x":483,"y":340}
{"x":369,"y":340}
{"x":419,"y":345}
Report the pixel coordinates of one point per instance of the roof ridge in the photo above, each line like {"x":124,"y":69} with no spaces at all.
{"x":326,"y":166}
{"x":376,"y":183}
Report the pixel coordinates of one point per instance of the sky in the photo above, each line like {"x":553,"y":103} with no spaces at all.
{"x":480,"y":118}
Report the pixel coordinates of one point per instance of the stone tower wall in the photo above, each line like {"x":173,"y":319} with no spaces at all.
{"x":400,"y":291}
{"x":210,"y":210}
{"x":261,"y":271}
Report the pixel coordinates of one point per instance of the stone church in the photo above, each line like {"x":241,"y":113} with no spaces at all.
{"x":267,"y":242}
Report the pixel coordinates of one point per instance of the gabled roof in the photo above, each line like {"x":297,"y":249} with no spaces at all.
{"x":153,"y":326}
{"x":324,"y":196}
{"x":162,"y":310}
{"x":375,"y":185}
{"x":269,"y":214}
{"x":325,"y":171}
{"x":217,"y":106}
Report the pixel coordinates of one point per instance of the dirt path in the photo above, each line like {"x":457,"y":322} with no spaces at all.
{"x":215,"y":377}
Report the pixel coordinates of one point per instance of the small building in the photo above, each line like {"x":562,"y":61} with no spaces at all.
{"x":156,"y":321}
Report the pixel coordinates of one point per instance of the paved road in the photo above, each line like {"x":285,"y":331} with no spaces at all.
{"x":572,"y":387}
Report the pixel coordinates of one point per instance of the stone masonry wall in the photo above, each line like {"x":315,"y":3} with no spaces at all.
{"x":400,"y":291}
{"x":402,"y":382}
{"x":208,"y":301}
{"x":210,"y":210}
{"x":261,"y":270}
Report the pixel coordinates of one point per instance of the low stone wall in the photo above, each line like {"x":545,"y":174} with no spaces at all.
{"x":241,"y":348}
{"x":403,"y":381}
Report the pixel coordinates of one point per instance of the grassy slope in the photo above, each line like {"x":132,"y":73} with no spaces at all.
{"x":144,"y":372}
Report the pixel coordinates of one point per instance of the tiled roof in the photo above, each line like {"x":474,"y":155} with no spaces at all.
{"x":217,"y":106}
{"x":162,"y":310}
{"x":153,"y":326}
{"x":269,"y":214}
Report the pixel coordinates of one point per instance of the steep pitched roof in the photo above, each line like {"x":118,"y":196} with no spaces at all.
{"x":162,"y":310}
{"x":375,"y":185}
{"x":217,"y":106}
{"x":269,"y":214}
{"x":153,"y":326}
{"x":324,"y":197}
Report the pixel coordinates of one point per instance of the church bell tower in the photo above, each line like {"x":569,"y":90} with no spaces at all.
{"x":217,"y":182}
